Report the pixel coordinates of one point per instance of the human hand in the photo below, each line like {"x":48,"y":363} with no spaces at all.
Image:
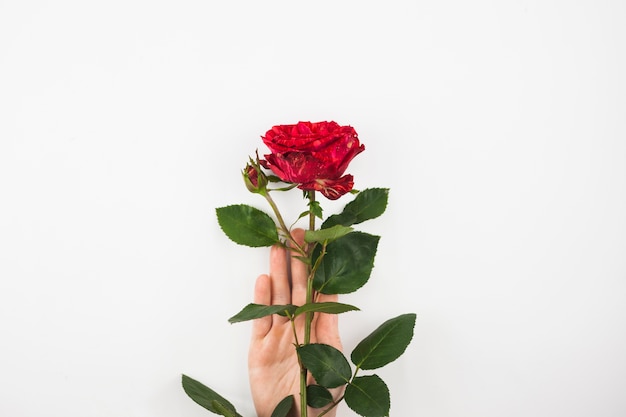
{"x":273,"y":367}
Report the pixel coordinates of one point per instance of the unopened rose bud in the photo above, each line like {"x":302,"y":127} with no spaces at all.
{"x":255,"y":179}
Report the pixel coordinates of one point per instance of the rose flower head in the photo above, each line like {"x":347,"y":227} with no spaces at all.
{"x":313,"y":155}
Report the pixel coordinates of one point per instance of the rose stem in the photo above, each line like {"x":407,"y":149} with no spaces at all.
{"x":309,"y":286}
{"x":283,"y":226}
{"x":308,"y":316}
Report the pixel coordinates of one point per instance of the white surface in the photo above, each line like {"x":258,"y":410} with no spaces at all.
{"x":498,"y":126}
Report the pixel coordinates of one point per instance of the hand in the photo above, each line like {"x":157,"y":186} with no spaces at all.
{"x":272,"y":361}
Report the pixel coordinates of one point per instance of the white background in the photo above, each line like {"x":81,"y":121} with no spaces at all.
{"x":499,"y":127}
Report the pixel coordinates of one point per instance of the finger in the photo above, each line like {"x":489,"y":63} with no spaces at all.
{"x":299,"y":272}
{"x":281,"y":292}
{"x":262,"y":295}
{"x":279,"y":279}
{"x":327,"y":325}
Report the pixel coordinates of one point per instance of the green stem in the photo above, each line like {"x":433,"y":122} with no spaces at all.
{"x":303,"y":376}
{"x":311,"y":215}
{"x":293,"y":329}
{"x":283,"y":226}
{"x":331,"y":406}
{"x":336,"y":402}
{"x":308,"y":317}
{"x":309,"y":286}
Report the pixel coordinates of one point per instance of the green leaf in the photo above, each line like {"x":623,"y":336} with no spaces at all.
{"x":304,"y":259}
{"x":223,"y":410}
{"x":368,"y":204}
{"x":248,"y":226}
{"x":326,"y":235}
{"x":344,"y":219}
{"x":327,"y":365}
{"x":318,"y":396}
{"x":329,"y":307}
{"x":368,"y":396}
{"x":256,"y":311}
{"x":347,"y":264}
{"x":284,"y":407}
{"x":385,"y":344}
{"x":207,"y":398}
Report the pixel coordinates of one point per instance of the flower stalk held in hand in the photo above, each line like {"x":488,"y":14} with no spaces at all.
{"x":337,"y":259}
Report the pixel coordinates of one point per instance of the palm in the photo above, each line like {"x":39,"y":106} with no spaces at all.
{"x":272,"y":362}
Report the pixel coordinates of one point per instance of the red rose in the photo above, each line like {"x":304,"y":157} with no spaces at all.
{"x":313,"y":155}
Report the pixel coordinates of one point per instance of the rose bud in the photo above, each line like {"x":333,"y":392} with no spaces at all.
{"x":255,"y":179}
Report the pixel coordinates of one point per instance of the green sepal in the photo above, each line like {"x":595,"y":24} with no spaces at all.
{"x":347,"y":264}
{"x":274,"y":178}
{"x":287,"y":188}
{"x":368,"y":396}
{"x":329,"y":366}
{"x":385,"y":344}
{"x":326,"y":235}
{"x":256,"y":311}
{"x":248,"y":226}
{"x":207,"y":398}
{"x":303,"y":214}
{"x":368,"y":204}
{"x":317,"y":396}
{"x":284,"y":407}
{"x":329,"y":307}
{"x":316,"y":209}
